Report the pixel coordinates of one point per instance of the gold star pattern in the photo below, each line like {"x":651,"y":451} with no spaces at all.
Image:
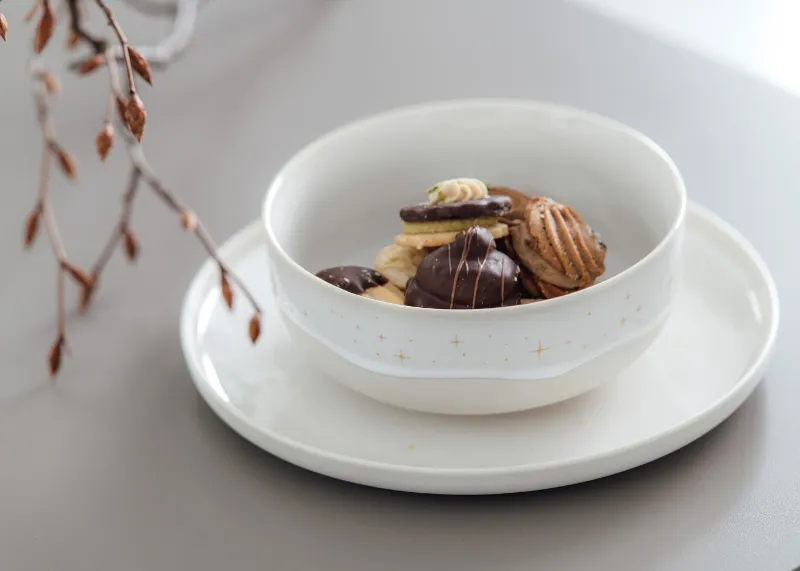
{"x":589,"y":314}
{"x":539,"y":350}
{"x":377,"y":354}
{"x":456,"y":342}
{"x":584,"y":346}
{"x":381,"y":337}
{"x":402,"y":356}
{"x":569,"y":341}
{"x":628,"y":297}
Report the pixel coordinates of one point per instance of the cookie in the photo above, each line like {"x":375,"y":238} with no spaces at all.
{"x":354,"y":279}
{"x":558,"y":246}
{"x":550,"y":291}
{"x":447,"y":225}
{"x":468,"y":274}
{"x":492,"y":206}
{"x":519,"y":201}
{"x":438,"y":239}
{"x":365,"y":282}
{"x":399,"y":263}
{"x":530,"y":284}
{"x":388,"y":293}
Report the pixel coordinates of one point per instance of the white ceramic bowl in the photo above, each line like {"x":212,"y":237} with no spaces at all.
{"x":336,"y":202}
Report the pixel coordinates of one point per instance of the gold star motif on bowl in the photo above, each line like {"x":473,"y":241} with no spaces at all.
{"x":456,"y":342}
{"x":539,"y":350}
{"x":402,"y":356}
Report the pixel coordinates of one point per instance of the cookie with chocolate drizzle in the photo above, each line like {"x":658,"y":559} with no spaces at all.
{"x":469,"y":273}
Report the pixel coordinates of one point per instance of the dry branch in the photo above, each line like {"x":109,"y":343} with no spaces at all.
{"x":131,"y":116}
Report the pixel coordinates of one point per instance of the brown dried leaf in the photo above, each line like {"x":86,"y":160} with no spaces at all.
{"x":31,"y":14}
{"x":140,"y":65}
{"x":3,"y":27}
{"x":255,"y":327}
{"x":32,"y":227}
{"x":54,"y":359}
{"x":136,"y":116}
{"x":81,"y":277}
{"x":131,"y":245}
{"x":189,"y":220}
{"x":227,"y":292}
{"x":44,"y":30}
{"x":50,"y":82}
{"x":73,"y":40}
{"x":90,"y":64}
{"x":105,"y":140}
{"x":66,"y":163}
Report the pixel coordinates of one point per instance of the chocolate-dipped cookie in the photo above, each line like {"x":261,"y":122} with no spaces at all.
{"x":453,"y":206}
{"x":490,"y":207}
{"x":362,"y":281}
{"x":467,"y":274}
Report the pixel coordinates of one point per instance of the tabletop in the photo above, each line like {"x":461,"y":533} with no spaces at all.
{"x":120,"y":464}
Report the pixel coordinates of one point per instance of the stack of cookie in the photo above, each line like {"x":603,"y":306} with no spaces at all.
{"x":472,"y":246}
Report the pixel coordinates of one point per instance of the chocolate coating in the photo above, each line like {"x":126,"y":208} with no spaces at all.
{"x":354,"y":279}
{"x":492,"y":206}
{"x":467,"y":274}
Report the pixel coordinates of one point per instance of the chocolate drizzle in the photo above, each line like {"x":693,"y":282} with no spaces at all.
{"x":482,"y":278}
{"x":354,"y":279}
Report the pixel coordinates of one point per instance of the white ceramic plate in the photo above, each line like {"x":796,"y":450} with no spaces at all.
{"x":708,"y":360}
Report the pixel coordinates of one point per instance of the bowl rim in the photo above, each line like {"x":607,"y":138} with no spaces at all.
{"x":477,"y":103}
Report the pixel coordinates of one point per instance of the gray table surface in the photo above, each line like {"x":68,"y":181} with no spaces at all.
{"x":122,"y":466}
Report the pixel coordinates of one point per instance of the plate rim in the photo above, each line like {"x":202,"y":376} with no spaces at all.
{"x":680,"y":434}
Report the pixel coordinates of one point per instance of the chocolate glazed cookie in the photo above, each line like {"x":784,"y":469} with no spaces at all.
{"x":467,"y":274}
{"x":361,"y":281}
{"x":486,"y":207}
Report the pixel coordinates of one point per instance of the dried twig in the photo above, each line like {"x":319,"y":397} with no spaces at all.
{"x":43,"y":210}
{"x":131,"y":116}
{"x":78,"y":32}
